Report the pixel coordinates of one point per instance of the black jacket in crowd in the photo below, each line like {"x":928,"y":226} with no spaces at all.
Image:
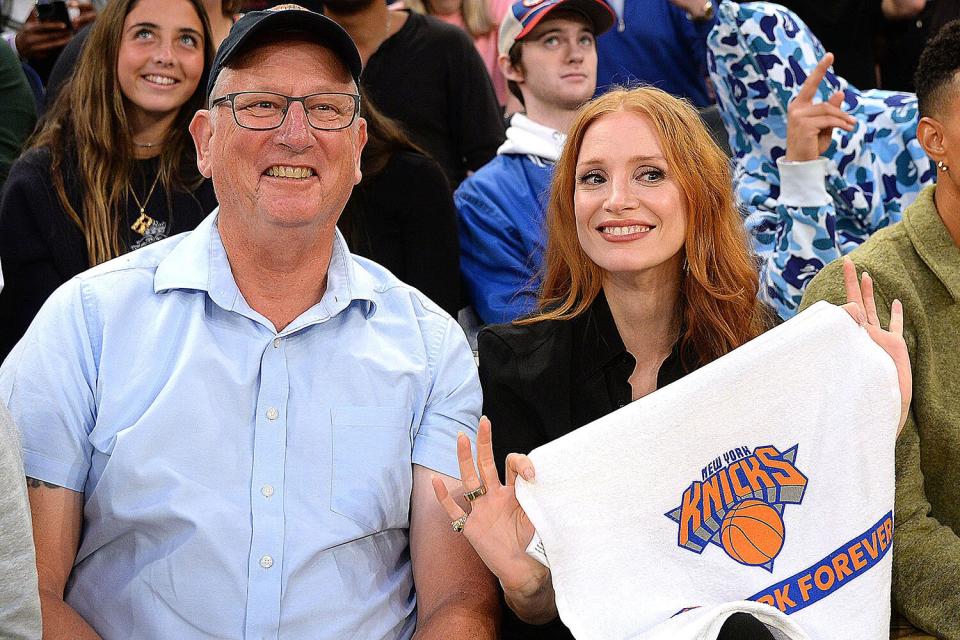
{"x":41,"y":248}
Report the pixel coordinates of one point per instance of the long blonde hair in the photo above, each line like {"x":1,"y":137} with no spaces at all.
{"x":87,"y":127}
{"x":719,"y":308}
{"x":476,"y":15}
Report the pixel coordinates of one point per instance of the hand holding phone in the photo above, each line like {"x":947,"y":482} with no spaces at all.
{"x":49,"y":27}
{"x":54,"y":11}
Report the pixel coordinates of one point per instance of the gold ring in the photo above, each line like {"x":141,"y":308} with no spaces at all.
{"x":476,"y":493}
{"x":459,"y":523}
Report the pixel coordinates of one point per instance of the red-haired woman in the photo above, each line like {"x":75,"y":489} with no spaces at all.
{"x":648,"y":276}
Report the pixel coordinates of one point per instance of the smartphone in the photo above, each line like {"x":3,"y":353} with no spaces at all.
{"x":54,"y":11}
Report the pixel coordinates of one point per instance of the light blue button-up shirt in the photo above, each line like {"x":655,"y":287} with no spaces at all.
{"x":240,"y":482}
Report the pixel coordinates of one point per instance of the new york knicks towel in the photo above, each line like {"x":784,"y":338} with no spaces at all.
{"x":765,"y":476}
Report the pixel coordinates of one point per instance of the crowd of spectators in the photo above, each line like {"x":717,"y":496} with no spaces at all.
{"x":588,"y":198}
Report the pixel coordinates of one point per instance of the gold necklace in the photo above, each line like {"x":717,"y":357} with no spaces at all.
{"x":143,"y":222}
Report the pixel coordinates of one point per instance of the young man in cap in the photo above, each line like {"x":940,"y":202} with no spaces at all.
{"x":548,"y":56}
{"x":238,"y":426}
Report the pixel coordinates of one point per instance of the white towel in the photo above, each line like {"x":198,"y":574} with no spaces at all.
{"x":766,"y":475}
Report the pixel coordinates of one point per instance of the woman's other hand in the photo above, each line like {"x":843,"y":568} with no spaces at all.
{"x":863,"y":308}
{"x":498,"y":528}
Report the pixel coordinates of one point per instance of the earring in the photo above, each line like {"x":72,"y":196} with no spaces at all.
{"x":942,"y":166}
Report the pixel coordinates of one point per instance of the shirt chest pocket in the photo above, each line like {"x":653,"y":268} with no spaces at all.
{"x":372,"y":465}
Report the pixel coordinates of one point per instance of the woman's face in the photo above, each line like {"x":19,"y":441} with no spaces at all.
{"x":631,"y":217}
{"x":161,"y":56}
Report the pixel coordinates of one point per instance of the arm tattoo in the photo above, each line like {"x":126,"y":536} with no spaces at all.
{"x":33,"y":483}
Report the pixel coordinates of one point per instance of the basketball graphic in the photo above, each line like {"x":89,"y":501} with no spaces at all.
{"x":752,"y":532}
{"x":737,"y":504}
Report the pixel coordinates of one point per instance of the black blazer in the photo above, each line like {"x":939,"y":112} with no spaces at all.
{"x":541,"y":381}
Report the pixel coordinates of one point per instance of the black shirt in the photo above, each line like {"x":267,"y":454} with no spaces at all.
{"x":602,"y":367}
{"x":542,"y":381}
{"x":849,"y":29}
{"x":41,"y":248}
{"x":904,"y":41}
{"x":404,"y":219}
{"x":430,"y":77}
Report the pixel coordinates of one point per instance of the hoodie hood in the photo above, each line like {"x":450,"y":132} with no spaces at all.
{"x":526,"y":137}
{"x":758,"y":56}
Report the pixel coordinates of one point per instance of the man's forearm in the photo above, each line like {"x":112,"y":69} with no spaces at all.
{"x":60,"y":620}
{"x":463,"y":615}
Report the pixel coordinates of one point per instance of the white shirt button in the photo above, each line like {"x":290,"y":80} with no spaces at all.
{"x":266,"y":562}
{"x":272,"y":413}
{"x":276,"y":343}
{"x":266,"y":490}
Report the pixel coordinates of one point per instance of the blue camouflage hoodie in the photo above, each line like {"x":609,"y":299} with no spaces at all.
{"x":758,"y":56}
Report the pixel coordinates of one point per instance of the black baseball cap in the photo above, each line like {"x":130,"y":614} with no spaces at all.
{"x":285,"y":18}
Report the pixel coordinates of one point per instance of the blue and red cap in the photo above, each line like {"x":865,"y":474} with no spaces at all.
{"x":524,"y":15}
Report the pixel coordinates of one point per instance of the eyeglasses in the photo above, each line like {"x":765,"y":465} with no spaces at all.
{"x":262,"y":110}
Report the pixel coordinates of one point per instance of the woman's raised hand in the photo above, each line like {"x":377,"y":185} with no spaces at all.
{"x":863,"y":308}
{"x":496,"y":524}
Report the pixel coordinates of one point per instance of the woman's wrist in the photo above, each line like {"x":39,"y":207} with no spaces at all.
{"x":534,"y":601}
{"x":539,"y":578}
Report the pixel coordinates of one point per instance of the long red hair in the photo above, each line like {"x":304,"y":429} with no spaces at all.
{"x":718,"y":301}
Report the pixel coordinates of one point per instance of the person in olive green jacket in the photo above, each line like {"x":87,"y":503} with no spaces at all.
{"x":918,"y":262}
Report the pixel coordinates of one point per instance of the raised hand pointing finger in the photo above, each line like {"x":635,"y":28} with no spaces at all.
{"x":810,"y":124}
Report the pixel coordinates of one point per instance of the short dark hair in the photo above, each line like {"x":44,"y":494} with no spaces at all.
{"x":230,"y":7}
{"x":515,"y":54}
{"x":937,"y":68}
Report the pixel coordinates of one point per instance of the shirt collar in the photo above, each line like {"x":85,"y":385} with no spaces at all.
{"x":601,"y":346}
{"x":933,"y":242}
{"x":600,"y":341}
{"x":200,"y":262}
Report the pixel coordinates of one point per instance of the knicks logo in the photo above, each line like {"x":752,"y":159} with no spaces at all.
{"x":738,"y":505}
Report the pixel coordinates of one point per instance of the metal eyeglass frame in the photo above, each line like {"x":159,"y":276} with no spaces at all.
{"x":229,"y":98}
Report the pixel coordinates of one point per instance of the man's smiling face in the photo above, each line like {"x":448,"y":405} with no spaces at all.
{"x":294,"y":175}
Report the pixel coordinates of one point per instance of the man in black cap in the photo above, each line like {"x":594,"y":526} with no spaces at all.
{"x":240,"y":425}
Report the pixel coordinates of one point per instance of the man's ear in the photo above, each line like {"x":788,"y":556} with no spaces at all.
{"x":361,"y":142}
{"x":510,"y":71}
{"x":201,"y":130}
{"x":930,"y":135}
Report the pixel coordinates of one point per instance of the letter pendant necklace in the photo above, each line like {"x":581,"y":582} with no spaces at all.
{"x":142,"y":223}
